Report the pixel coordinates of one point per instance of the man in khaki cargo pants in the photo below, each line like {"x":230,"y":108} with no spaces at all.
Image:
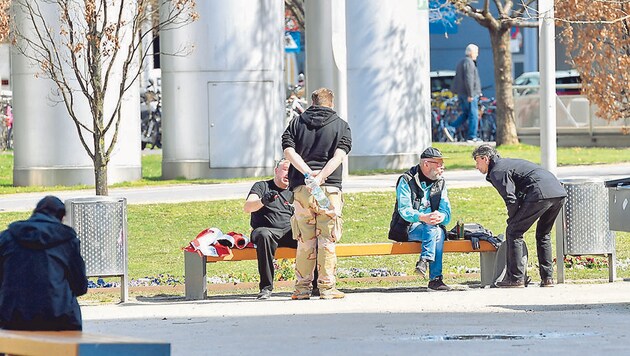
{"x":316,"y":143}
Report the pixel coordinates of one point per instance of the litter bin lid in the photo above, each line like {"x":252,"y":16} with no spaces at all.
{"x":617,"y":182}
{"x":578,"y":180}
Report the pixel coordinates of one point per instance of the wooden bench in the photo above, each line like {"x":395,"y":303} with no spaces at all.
{"x":196,"y":273}
{"x":70,"y":343}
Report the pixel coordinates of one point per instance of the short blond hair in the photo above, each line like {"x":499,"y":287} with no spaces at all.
{"x":323,"y":97}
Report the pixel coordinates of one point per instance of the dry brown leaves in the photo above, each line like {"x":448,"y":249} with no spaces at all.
{"x":597,"y":36}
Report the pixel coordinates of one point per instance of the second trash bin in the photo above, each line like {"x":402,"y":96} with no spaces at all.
{"x":584,"y":229}
{"x":619,"y":204}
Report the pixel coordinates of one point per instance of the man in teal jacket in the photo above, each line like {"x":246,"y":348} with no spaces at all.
{"x":421,"y":211}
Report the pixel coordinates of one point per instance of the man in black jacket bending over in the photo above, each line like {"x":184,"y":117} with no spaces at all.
{"x":530,"y":193}
{"x":41,"y":272}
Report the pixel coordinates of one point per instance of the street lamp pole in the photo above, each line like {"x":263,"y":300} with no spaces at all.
{"x":547,"y":59}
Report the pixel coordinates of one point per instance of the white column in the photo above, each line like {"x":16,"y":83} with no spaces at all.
{"x":389,"y":98}
{"x":47,"y":147}
{"x":223,"y":93}
{"x":326,"y":57}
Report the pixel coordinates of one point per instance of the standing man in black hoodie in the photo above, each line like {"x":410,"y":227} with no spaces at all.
{"x":316,"y":143}
{"x":530,"y":193}
{"x":41,"y":272}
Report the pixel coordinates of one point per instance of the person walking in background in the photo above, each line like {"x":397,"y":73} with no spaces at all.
{"x":41,"y":272}
{"x":530,"y":193}
{"x":467,"y":86}
{"x":270,"y":203}
{"x":316,"y":144}
{"x":421,"y":211}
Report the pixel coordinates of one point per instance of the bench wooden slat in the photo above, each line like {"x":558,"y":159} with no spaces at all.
{"x":76,"y":343}
{"x":363,"y":249}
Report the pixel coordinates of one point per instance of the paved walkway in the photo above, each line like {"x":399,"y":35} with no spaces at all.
{"x":566,"y":319}
{"x":205,"y":192}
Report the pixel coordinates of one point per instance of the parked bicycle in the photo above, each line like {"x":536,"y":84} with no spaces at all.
{"x":442,"y":120}
{"x":151,"y":117}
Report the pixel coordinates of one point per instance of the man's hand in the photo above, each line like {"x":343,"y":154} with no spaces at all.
{"x":269,"y":197}
{"x":317,"y":177}
{"x":432,"y":218}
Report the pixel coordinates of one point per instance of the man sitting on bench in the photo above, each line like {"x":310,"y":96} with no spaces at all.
{"x":421,"y":211}
{"x":41,"y":272}
{"x":270,"y":203}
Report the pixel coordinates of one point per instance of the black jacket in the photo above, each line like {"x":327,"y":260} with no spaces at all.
{"x":315,"y":136}
{"x":519,"y":181}
{"x":399,"y":227}
{"x":41,"y":275}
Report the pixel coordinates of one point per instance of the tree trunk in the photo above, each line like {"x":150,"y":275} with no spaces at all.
{"x":506,"y":123}
{"x":100,"y":172}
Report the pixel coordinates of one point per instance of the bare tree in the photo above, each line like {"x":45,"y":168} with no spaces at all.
{"x":499,"y":16}
{"x":4,"y":19}
{"x":597,"y":36}
{"x":91,"y":50}
{"x":297,"y":9}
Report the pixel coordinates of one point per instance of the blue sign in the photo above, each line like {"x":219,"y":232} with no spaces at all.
{"x":442,"y":17}
{"x":292,"y":42}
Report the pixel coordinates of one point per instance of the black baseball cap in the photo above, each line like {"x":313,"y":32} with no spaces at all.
{"x":432,"y":152}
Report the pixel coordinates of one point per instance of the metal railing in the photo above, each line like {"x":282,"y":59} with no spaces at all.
{"x":574,"y":112}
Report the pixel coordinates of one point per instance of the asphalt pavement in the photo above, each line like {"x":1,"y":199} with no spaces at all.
{"x":207,"y":192}
{"x":591,"y":319}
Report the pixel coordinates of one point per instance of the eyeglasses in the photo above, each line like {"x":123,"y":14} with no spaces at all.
{"x":438,"y":163}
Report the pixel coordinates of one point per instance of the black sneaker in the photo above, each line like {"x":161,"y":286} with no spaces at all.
{"x":264,"y":294}
{"x":422,"y":267}
{"x":547,"y":282}
{"x":511,"y":284}
{"x":438,"y":285}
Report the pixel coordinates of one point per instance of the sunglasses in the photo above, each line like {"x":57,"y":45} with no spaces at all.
{"x":438,"y":163}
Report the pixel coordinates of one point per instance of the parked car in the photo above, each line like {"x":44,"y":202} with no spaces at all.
{"x":562,"y":77}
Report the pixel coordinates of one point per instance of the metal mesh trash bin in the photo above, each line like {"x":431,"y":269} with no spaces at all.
{"x":619,"y":204}
{"x":584,"y":227}
{"x":101,"y":225}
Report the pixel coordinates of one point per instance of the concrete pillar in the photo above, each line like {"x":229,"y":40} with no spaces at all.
{"x":389,"y":94}
{"x":326,"y":57}
{"x":223,"y":94}
{"x":47,"y":146}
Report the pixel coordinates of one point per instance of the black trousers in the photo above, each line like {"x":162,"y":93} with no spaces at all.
{"x":545,"y":211}
{"x":267,"y":241}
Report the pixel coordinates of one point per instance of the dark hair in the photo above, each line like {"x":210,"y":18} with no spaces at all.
{"x":51,"y":206}
{"x":485,"y":150}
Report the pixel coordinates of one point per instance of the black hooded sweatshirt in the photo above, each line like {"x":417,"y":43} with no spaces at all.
{"x":41,"y":275}
{"x":315,"y":136}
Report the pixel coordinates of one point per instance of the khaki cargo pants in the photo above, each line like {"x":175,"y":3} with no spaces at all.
{"x":316,"y":234}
